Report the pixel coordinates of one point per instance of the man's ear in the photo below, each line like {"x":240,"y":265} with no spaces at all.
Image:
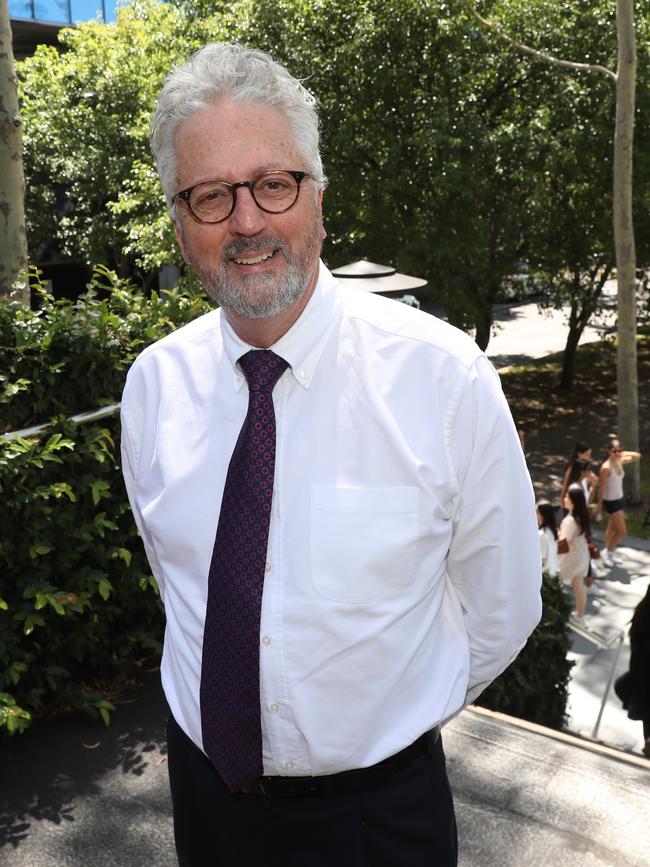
{"x":180,"y":239}
{"x":319,"y":205}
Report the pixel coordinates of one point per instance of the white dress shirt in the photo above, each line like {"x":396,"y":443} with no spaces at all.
{"x":403,"y":569}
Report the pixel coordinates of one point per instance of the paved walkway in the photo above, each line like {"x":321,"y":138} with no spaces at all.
{"x":625,"y":585}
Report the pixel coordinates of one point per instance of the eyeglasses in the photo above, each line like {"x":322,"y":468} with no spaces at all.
{"x":214,"y":201}
{"x":617,"y":451}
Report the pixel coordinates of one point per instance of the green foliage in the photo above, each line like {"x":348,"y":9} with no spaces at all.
{"x":86,"y":112}
{"x":78,"y":605}
{"x":65,"y":357}
{"x":535,"y":686}
{"x":450,"y":155}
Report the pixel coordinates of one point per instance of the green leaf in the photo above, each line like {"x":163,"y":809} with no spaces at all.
{"x":125,"y":555}
{"x":105,"y":588}
{"x":31,"y":621}
{"x":99,"y":489}
{"x":39,"y":549}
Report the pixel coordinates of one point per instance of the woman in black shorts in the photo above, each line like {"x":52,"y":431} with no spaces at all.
{"x":610,"y":496}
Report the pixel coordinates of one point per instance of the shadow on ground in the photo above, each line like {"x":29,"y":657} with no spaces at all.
{"x":57,"y":764}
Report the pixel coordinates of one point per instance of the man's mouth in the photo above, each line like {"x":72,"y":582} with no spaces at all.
{"x":253,"y":260}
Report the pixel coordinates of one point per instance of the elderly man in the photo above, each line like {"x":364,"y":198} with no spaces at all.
{"x":334,"y":504}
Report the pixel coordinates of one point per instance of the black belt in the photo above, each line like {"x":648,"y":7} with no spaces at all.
{"x":346,"y":781}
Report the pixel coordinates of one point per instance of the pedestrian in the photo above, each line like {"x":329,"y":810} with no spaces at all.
{"x":578,"y":470}
{"x":573,"y":547}
{"x":547,"y":537}
{"x":333,"y":500}
{"x":610,"y":497}
{"x":634,"y":687}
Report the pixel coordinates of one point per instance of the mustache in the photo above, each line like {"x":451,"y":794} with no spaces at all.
{"x":253,"y":245}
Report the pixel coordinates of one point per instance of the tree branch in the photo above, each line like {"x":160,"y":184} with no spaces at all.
{"x":540,"y":55}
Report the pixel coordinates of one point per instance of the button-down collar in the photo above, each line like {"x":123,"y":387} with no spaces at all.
{"x":303,"y":344}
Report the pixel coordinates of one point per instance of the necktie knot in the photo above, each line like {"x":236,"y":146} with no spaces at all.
{"x":262,"y":369}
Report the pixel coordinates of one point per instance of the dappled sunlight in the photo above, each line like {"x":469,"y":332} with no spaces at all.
{"x":59,"y":767}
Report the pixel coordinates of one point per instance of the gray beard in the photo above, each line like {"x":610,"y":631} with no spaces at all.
{"x":260,"y":296}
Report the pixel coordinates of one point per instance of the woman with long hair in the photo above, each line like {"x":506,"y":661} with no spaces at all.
{"x":610,"y":496}
{"x":574,"y":536}
{"x":547,"y":537}
{"x":577,"y":470}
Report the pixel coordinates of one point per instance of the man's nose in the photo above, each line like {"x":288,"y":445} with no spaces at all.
{"x":247,"y":218}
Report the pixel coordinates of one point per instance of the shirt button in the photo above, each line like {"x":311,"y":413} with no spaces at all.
{"x":288,"y":766}
{"x":274,"y":708}
{"x":304,"y":374}
{"x":268,"y":566}
{"x":266,"y":640}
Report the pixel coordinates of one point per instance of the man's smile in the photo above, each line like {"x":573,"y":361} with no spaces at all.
{"x":253,"y":260}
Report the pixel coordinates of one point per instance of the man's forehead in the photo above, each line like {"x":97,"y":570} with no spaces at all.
{"x":240,"y":136}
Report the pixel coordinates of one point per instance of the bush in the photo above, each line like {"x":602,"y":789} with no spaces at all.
{"x":78,"y":605}
{"x":535,"y":686}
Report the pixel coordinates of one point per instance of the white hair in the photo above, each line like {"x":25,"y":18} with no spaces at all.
{"x":239,"y":74}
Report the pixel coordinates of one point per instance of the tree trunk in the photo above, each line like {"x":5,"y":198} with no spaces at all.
{"x":576,"y":328}
{"x":625,"y":78}
{"x":483,"y":321}
{"x":628,"y":398}
{"x":13,"y":249}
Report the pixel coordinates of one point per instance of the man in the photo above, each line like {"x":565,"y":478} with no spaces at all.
{"x":333,"y":500}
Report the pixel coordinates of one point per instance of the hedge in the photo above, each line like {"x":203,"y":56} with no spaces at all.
{"x":79,"y":609}
{"x":78,"y":606}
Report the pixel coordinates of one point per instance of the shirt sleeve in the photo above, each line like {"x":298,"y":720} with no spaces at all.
{"x":494,"y":559}
{"x":129,"y":455}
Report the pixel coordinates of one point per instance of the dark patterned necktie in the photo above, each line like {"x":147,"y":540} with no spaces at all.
{"x":230,"y":670}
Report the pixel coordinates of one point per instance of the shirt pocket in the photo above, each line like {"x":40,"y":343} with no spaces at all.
{"x":363,"y":541}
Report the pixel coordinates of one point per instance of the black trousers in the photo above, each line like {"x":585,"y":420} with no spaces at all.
{"x":409,"y":822}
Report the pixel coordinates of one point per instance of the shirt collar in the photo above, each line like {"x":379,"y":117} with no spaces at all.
{"x":303,"y":344}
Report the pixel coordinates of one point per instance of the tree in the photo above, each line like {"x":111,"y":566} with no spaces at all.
{"x":13,"y":250}
{"x":87,"y":110}
{"x":425,"y":155}
{"x":625,"y":81}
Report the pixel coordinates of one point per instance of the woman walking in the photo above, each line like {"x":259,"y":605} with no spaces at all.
{"x":610,"y":496}
{"x":573,"y":547}
{"x":577,"y":470}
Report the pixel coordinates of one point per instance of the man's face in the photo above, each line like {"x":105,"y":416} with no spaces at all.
{"x":253,"y":263}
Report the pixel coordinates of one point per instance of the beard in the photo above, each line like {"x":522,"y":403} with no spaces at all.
{"x":261,"y":296}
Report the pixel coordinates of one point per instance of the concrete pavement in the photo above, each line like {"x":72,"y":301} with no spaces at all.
{"x":625,"y":585}
{"x":522,"y":331}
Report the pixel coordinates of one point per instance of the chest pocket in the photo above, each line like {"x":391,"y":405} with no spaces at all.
{"x":363,"y":541}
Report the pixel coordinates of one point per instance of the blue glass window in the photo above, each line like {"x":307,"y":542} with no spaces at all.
{"x":63,"y":11}
{"x":20,"y":9}
{"x":84,"y":10}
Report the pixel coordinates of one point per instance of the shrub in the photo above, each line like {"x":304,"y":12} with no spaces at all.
{"x":535,"y":686}
{"x":78,"y":604}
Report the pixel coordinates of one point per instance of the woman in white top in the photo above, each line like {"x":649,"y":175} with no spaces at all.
{"x":547,"y":537}
{"x":575,"y":530}
{"x":610,"y":496}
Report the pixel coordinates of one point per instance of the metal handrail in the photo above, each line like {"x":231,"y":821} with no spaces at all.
{"x":604,"y":643}
{"x":79,"y":418}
